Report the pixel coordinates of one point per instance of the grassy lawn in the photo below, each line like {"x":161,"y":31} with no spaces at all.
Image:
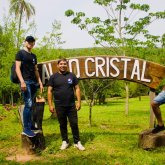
{"x":112,"y":139}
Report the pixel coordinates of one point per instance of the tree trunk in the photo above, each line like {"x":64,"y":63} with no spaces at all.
{"x":123,"y":46}
{"x":3,"y":99}
{"x":19,"y":27}
{"x":152,"y":116}
{"x":90,"y":114}
{"x":36,"y":143}
{"x":127,"y":98}
{"x":11,"y":98}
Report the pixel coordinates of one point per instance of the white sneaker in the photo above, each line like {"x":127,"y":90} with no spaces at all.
{"x":64,"y":145}
{"x":79,"y":146}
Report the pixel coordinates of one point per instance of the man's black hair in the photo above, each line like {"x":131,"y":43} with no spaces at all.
{"x":30,"y":39}
{"x":62,"y":59}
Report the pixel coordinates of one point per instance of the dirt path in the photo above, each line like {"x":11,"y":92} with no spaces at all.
{"x":23,"y":157}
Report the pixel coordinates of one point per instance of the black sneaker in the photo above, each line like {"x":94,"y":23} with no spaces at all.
{"x":158,"y":129}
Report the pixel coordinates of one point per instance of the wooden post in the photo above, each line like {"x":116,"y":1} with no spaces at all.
{"x":37,"y":112}
{"x":20,"y":110}
{"x":32,"y":144}
{"x":152,"y":116}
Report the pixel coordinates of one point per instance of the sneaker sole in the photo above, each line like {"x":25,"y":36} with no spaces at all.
{"x":27,"y":134}
{"x":38,"y":131}
{"x":64,"y":148}
{"x":79,"y":148}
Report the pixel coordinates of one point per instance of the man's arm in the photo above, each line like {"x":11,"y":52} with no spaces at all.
{"x":38,"y":79}
{"x":78,"y":95}
{"x":19,"y":74}
{"x":51,"y":107}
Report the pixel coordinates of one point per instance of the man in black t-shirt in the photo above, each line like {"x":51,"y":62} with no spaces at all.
{"x":63,"y":84}
{"x":27,"y":72}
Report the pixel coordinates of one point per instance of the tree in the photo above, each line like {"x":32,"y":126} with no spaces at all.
{"x":50,"y":43}
{"x":7,"y":51}
{"x":9,"y":92}
{"x":52,"y":40}
{"x":163,"y":41}
{"x":91,"y":89}
{"x":121,"y":29}
{"x":21,"y":8}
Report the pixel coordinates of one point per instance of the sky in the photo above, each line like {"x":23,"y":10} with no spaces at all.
{"x":49,"y":10}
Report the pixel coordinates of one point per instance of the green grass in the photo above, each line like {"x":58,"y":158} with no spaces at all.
{"x":112,"y":139}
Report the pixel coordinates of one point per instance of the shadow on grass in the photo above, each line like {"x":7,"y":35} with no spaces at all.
{"x":87,"y":137}
{"x":139,"y":112}
{"x":82,"y":159}
{"x":112,"y":103}
{"x":50,"y":121}
{"x":116,"y":134}
{"x":51,"y":137}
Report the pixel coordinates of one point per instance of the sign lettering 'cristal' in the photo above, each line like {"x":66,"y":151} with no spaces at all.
{"x":114,"y":67}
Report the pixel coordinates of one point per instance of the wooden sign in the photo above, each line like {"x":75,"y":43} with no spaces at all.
{"x":113,"y":67}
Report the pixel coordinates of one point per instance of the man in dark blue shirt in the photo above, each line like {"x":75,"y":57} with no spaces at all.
{"x":63,"y":84}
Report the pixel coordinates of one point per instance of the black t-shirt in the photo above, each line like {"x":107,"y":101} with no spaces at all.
{"x":29,"y":61}
{"x":63,"y":88}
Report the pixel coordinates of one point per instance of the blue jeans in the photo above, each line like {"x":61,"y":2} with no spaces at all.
{"x":28,"y":97}
{"x":160,"y":99}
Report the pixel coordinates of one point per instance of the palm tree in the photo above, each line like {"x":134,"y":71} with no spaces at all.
{"x":21,"y":8}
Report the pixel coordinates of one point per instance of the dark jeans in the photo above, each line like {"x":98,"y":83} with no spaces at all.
{"x":71,"y":113}
{"x":28,"y":97}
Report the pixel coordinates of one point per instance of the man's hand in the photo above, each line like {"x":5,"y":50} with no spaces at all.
{"x":51,"y":109}
{"x":23,"y":86}
{"x":78,"y":106}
